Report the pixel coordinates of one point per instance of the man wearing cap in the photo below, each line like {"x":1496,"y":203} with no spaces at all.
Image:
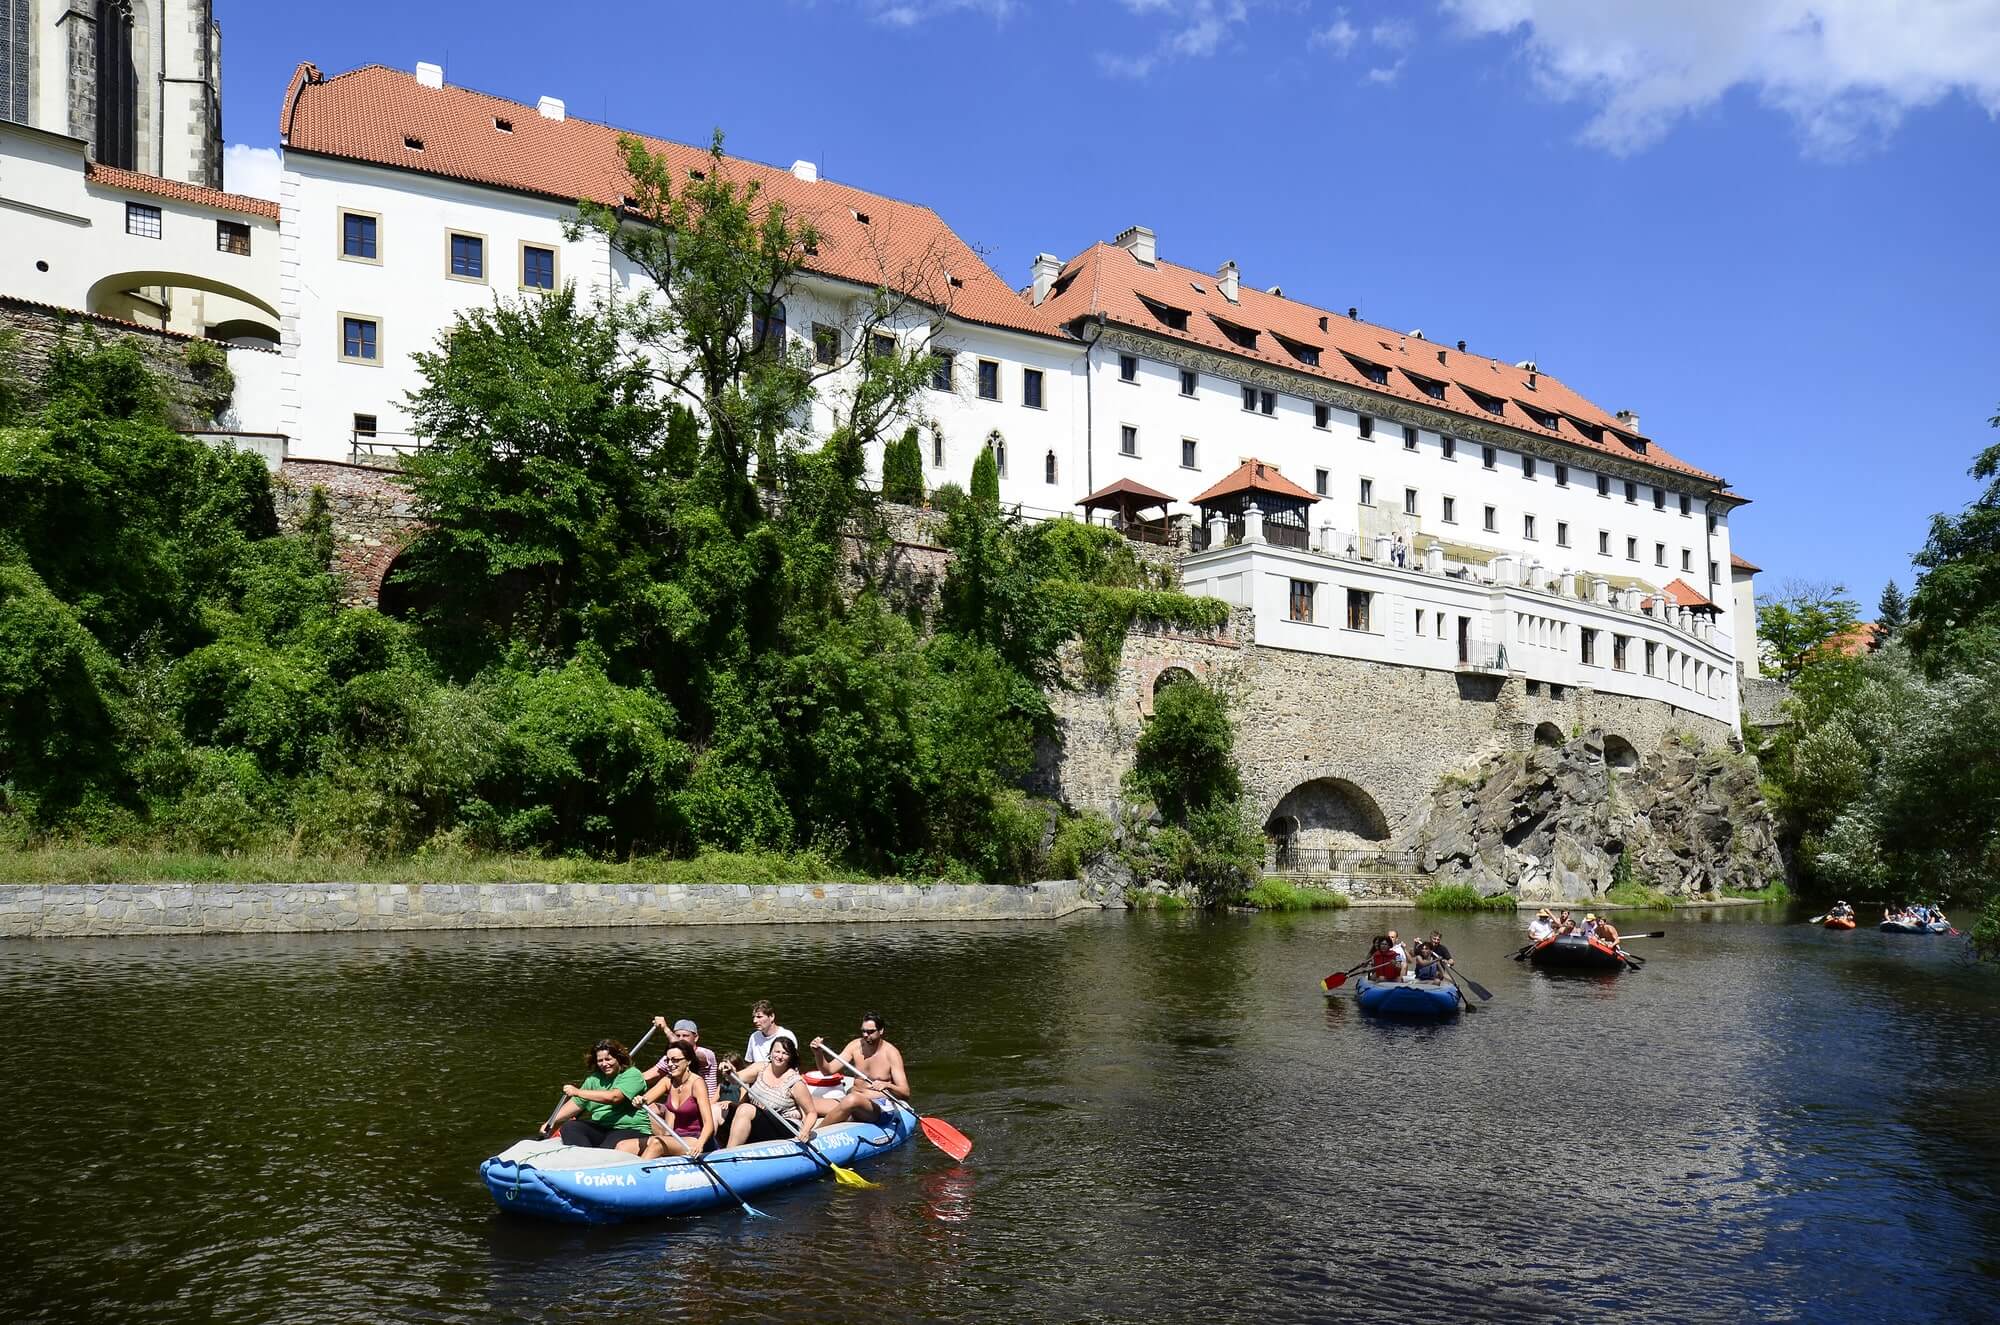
{"x":1542,"y":926}
{"x":685,"y":1032}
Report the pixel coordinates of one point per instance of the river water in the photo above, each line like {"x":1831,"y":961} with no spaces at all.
{"x":1171,"y":1121}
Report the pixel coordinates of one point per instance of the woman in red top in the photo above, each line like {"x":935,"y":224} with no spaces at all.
{"x":1383,"y":959}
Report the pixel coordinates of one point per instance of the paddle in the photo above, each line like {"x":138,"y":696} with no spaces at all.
{"x":1816,"y":919}
{"x":1654,"y":934}
{"x":846,"y":1177}
{"x":1339,"y":978}
{"x":704,"y":1165}
{"x":565,"y":1099}
{"x":936,"y":1130}
{"x":1485,"y":994}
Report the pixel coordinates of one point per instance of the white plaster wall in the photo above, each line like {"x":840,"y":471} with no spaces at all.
{"x":254,"y":407}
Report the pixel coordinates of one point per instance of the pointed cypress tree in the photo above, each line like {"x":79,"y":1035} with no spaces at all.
{"x":1890,"y":614}
{"x":903,"y":469}
{"x":986,"y":478}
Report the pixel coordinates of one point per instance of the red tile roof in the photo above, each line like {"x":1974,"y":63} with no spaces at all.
{"x":368,"y":113}
{"x":1254,"y":476}
{"x":1856,"y":640}
{"x":1126,"y":487}
{"x":1738,"y":563}
{"x":112,"y":177}
{"x":1106,"y":279}
{"x":1682,"y":594}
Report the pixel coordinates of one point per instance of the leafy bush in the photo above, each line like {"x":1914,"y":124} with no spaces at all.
{"x":1284,"y":895}
{"x":1080,"y":842}
{"x":1461,"y":897}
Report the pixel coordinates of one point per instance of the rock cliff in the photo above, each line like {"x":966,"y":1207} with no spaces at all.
{"x":1551,"y":824}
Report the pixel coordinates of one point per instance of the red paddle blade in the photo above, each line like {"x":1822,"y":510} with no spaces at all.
{"x":946,"y":1137}
{"x":1334,"y":981}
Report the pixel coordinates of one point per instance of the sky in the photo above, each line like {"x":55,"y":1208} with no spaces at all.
{"x":1767,"y":226}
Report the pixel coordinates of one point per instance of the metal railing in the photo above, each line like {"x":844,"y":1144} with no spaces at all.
{"x":1286,"y":858}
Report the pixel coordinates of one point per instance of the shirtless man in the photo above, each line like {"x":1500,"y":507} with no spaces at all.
{"x":881,"y":1066}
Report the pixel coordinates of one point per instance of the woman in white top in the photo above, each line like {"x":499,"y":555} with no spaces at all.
{"x":772,"y":1090}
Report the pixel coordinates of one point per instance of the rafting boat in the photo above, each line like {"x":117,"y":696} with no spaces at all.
{"x":1574,"y":952}
{"x":585,"y":1185}
{"x":1407,"y":998}
{"x":1840,"y":922}
{"x":1906,"y":927}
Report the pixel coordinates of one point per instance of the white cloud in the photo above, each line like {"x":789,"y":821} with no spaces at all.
{"x":1394,"y":33}
{"x":252,"y":171}
{"x":1845,"y":71}
{"x":1196,"y":29}
{"x":909,"y":13}
{"x":1383,"y":75}
{"x":1338,"y":36}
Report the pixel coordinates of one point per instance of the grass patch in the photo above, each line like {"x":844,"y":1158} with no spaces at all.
{"x":78,"y":863}
{"x":1639,"y":895}
{"x":1461,"y":897}
{"x":1771,"y":893}
{"x":1284,"y":895}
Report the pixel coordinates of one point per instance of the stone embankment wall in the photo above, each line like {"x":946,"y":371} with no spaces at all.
{"x":373,"y":520}
{"x":79,"y":910}
{"x":36,"y":330}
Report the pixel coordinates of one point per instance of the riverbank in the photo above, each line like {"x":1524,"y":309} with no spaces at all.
{"x":93,"y":910}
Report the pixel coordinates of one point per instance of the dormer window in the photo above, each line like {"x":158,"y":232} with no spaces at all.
{"x":1590,"y":431}
{"x":1429,"y":386}
{"x":1305,"y":354}
{"x":1374,"y":372}
{"x":414,"y":143}
{"x":1491,"y":404}
{"x":1543,"y":418}
{"x":504,"y":126}
{"x":697,"y":174}
{"x":1174,"y":319}
{"x":860,"y":216}
{"x":1237,"y":335}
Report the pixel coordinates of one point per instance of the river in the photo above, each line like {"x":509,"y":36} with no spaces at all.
{"x":1171,"y":1121}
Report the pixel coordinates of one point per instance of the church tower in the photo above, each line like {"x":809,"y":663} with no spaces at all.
{"x":139,"y":81}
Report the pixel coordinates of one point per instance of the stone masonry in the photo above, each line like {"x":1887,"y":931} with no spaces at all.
{"x":371,"y":513}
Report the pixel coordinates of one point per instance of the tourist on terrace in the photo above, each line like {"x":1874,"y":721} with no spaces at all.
{"x":773,"y":1089}
{"x":765,"y":1020}
{"x":875,"y":1059}
{"x":685,"y":1121}
{"x":1399,"y":554}
{"x":1543,"y":926}
{"x":602,"y":1112}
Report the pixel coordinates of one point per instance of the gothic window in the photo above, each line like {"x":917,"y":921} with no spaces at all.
{"x":1049,"y":468}
{"x":16,"y":58}
{"x":117,"y":86}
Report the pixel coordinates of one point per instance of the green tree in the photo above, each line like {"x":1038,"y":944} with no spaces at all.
{"x":986,"y":477}
{"x":1891,"y":613}
{"x":1185,"y":760}
{"x":1956,"y":606}
{"x":903,"y":469}
{"x":1797,"y":622}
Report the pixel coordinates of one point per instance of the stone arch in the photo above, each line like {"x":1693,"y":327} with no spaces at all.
{"x":1548,"y":734}
{"x":1169,"y":676}
{"x":242,"y":329}
{"x":1619,"y":753}
{"x":1328,"y":813}
{"x":105,"y":287}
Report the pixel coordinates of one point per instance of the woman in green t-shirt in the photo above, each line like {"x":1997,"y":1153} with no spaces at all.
{"x":603,"y":1112}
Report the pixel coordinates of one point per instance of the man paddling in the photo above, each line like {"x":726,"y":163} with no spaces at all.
{"x":875,"y":1059}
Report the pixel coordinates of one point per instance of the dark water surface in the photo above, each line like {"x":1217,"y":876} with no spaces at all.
{"x":1172,"y":1123}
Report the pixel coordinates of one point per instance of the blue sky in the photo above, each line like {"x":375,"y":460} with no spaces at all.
{"x":1765,"y":227}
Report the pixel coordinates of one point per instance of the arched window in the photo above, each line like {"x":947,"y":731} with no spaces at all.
{"x":16,"y":58}
{"x":998,"y":446}
{"x":937,"y":448}
{"x":117,"y":87}
{"x":1049,"y":468}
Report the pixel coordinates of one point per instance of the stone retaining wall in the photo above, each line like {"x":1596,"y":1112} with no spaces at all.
{"x":80,"y":910}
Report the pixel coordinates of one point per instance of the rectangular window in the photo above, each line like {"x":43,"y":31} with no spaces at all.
{"x":468,"y":257}
{"x":1604,"y":485}
{"x":1711,"y":524}
{"x":1031,"y":387}
{"x":1632,"y":493}
{"x":1189,"y":381}
{"x":826,"y":349}
{"x":364,"y":426}
{"x":937,"y":448}
{"x":882,"y":345}
{"x":1687,"y":559}
{"x":142,"y":219}
{"x":1492,"y":519}
{"x":1321,"y":415}
{"x":989,"y":380}
{"x":1562,"y":533}
{"x":1527,"y":466}
{"x":538,"y":267}
{"x":1451,"y":510}
{"x":1357,"y":609}
{"x":1659,"y":499}
{"x":1128,"y":440}
{"x":1604,"y":542}
{"x":1713,"y":576}
{"x":1631,"y":549}
{"x":1619,"y":644}
{"x":1562,"y":476}
{"x":358,"y":232}
{"x":1188,"y":449}
{"x":360,"y":339}
{"x":767,"y":328}
{"x":232,"y":237}
{"x":1409,"y":501}
{"x":1250,"y":399}
{"x":1420,"y":621}
{"x":1528,"y":526}
{"x":1267,"y":402}
{"x":1588,"y":638}
{"x":1687,"y":505}
{"x":1652,"y":658}
{"x":1368,"y":492}
{"x":1319,"y":481}
{"x":1302,"y":600}
{"x":1367,"y":422}
{"x":1449,"y":446}
{"x":1128,"y":367}
{"x":1489,"y":457}
{"x":1659,"y":554}
{"x":944,"y":370}
{"x":1439,"y":625}
{"x":1409,"y":438}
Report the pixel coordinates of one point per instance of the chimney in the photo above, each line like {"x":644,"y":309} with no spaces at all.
{"x":1629,"y":420}
{"x":1353,"y":313}
{"x":430,"y":75}
{"x":805,"y":170}
{"x":1461,"y":347}
{"x":1416,"y":333}
{"x":551,"y":108}
{"x":1226,"y":280}
{"x":1047,"y":267}
{"x":1138,"y":241}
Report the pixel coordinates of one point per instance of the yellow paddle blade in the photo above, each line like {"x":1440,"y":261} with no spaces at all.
{"x":849,"y":1178}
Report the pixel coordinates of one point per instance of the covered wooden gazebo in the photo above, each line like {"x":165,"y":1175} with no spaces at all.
{"x":1680,"y":593}
{"x":1125,"y":500}
{"x":1284,"y":504}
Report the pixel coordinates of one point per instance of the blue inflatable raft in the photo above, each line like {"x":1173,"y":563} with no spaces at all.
{"x":1905,"y":927}
{"x":583,"y":1185}
{"x":1407,"y":998}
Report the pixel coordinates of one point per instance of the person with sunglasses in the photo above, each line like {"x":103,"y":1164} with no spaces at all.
{"x":880,"y":1064}
{"x":685,"y":1107}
